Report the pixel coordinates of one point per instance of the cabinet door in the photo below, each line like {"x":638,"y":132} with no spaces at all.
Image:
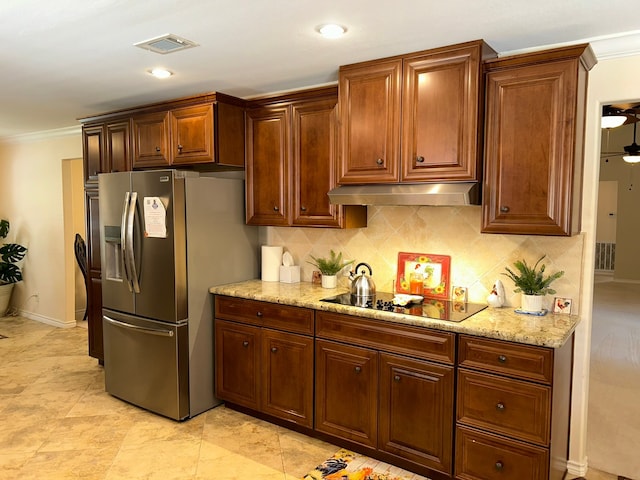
{"x":416,"y":411}
{"x":529,"y":156}
{"x":118,"y":147}
{"x":287,"y":376}
{"x":237,"y":363}
{"x":93,"y":152}
{"x":346,"y":392}
{"x":314,"y":163}
{"x":370,"y":122}
{"x":94,"y":294}
{"x":440,"y":109}
{"x":192,"y":135}
{"x":268,"y":169}
{"x":151,"y":140}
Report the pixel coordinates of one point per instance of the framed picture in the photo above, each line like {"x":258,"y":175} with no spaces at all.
{"x":424,"y":274}
{"x":561,"y":305}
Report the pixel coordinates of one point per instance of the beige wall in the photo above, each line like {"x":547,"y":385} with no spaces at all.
{"x":31,"y":197}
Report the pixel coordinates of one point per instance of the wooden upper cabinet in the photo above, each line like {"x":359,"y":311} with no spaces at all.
{"x":370,"y":121}
{"x":118,"y":146}
{"x":93,"y":151}
{"x":291,"y":162}
{"x":151,"y":140}
{"x":192,"y":134}
{"x":534,"y":141}
{"x":413,"y":118}
{"x":441,"y":109}
{"x":267,"y":163}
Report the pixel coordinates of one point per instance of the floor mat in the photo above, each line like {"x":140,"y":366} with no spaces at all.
{"x":347,"y":465}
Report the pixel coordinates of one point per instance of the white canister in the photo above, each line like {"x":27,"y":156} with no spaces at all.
{"x":271,"y":261}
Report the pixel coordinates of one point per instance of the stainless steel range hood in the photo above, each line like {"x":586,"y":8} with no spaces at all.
{"x":444,"y":194}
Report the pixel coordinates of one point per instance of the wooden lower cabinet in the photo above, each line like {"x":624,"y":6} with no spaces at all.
{"x":265,"y":369}
{"x":416,"y":411}
{"x":346,"y":392}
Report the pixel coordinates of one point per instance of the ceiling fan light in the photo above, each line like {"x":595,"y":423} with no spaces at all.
{"x":612,"y":121}
{"x":631,"y":158}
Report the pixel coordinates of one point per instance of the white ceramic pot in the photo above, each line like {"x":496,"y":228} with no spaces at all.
{"x":531,"y":303}
{"x":5,"y":296}
{"x":329,"y":281}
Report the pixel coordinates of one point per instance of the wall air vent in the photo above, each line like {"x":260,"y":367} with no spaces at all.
{"x":168,"y":43}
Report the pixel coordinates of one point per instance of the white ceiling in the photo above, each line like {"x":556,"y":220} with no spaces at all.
{"x":65,"y":59}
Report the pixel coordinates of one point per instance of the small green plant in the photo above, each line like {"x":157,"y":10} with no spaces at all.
{"x":331,"y":265}
{"x":10,"y":254}
{"x":530,"y":280}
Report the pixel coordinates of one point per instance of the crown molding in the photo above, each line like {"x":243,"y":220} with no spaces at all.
{"x":43,"y":135}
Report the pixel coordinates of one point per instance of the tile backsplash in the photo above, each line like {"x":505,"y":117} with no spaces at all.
{"x":477,"y":260}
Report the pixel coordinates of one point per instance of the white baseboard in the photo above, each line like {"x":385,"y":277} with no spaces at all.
{"x":578,"y":469}
{"x":48,"y":320}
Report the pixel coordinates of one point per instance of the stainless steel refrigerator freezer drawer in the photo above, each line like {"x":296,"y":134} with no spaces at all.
{"x":146,"y":363}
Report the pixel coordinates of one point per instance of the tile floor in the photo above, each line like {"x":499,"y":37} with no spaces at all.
{"x":58,"y":423}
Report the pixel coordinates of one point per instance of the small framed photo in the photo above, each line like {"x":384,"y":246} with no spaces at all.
{"x":562,"y":305}
{"x":459,"y":294}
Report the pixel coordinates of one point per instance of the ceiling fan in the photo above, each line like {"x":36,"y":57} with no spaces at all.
{"x":627,"y":114}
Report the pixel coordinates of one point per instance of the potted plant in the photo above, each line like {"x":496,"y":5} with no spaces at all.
{"x":10,"y":273}
{"x":532,"y":283}
{"x":329,"y":268}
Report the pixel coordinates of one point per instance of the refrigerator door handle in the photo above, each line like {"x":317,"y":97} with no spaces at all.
{"x":123,"y":241}
{"x":130,"y":225}
{"x":151,"y":331}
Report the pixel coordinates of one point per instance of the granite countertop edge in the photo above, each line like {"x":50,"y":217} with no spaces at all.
{"x":551,"y":330}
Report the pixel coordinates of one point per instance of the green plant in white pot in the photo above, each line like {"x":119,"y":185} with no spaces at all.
{"x":532,"y":283}
{"x":10,"y":272}
{"x":329,"y":268}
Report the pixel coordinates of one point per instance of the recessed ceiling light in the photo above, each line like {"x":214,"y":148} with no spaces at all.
{"x":331,"y":30}
{"x":160,"y":73}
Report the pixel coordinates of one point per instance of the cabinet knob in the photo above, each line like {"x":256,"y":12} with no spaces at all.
{"x":396,"y":378}
{"x":499,"y":465}
{"x":258,"y":314}
{"x":420,"y":159}
{"x":500,"y":407}
{"x":276,"y":208}
{"x":303,"y":208}
{"x":358,"y":369}
{"x":157,"y":149}
{"x":379,"y":161}
{"x":504,"y":209}
{"x":274,"y":349}
{"x":245,"y":343}
{"x":502,"y":359}
{"x":180,"y":148}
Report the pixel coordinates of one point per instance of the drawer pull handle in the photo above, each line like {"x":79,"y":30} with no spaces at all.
{"x":379,"y":161}
{"x":245,"y":344}
{"x":157,"y":149}
{"x":274,"y":349}
{"x":420,"y":159}
{"x":504,"y":209}
{"x":499,"y":465}
{"x":500,"y":407}
{"x":259,"y":314}
{"x":502,"y":359}
{"x":180,"y":148}
{"x":358,"y":369}
{"x":276,"y":209}
{"x":396,"y":378}
{"x":303,"y":208}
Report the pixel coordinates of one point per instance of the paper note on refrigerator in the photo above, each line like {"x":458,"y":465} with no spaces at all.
{"x":155,"y":218}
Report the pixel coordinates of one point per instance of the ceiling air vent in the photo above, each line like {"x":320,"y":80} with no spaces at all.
{"x":168,"y":43}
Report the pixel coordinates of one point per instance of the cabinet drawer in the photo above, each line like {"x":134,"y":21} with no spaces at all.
{"x":523,"y":361}
{"x":488,"y":457}
{"x":512,"y":407}
{"x":388,"y":336}
{"x":265,"y":314}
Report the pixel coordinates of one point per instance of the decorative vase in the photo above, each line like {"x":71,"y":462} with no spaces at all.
{"x":329,"y":281}
{"x":5,"y":296}
{"x":532,"y":303}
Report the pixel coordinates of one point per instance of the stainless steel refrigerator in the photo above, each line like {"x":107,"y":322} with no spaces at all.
{"x":166,"y":237}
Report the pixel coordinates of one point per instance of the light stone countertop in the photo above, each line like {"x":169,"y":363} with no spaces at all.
{"x":551,"y":330}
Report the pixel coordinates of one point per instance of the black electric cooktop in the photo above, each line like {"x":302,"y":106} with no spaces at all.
{"x":429,"y":308}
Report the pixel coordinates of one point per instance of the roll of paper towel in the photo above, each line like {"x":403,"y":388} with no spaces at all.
{"x":271,"y":261}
